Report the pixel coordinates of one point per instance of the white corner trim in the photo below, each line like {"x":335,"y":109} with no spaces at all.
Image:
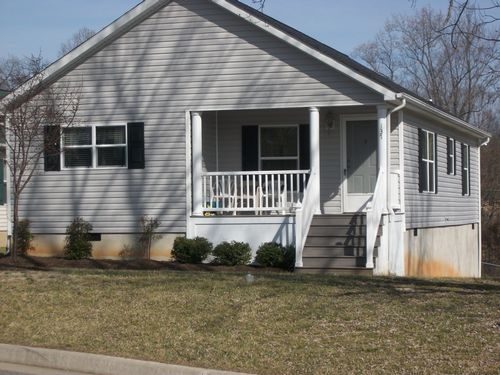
{"x":388,"y":94}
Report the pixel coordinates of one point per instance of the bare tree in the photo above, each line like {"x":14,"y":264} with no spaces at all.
{"x":29,"y":111}
{"x":78,"y":38}
{"x":488,"y":13}
{"x":462,"y":77}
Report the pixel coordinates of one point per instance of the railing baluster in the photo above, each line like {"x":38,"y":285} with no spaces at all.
{"x":259,"y":191}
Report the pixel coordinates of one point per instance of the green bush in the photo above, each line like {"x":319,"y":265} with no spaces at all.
{"x":78,"y":245}
{"x":232,"y":253}
{"x":23,"y":236}
{"x":272,"y":254}
{"x":191,"y":250}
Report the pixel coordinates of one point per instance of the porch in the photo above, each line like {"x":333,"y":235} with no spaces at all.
{"x":267,"y":181}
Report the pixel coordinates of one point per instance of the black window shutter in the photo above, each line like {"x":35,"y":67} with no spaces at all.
{"x":422,"y":174}
{"x":52,"y":148}
{"x":135,"y":138}
{"x":436,"y":168}
{"x":449,"y":152}
{"x":304,"y":147}
{"x":464,"y":173}
{"x":250,"y":148}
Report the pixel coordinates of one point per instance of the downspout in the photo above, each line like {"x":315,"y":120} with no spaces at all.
{"x":480,"y":237}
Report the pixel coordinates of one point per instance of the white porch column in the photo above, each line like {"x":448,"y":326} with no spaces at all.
{"x":314,"y":157}
{"x":197,"y":158}
{"x":382,"y":138}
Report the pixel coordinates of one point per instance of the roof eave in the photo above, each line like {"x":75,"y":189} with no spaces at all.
{"x":423,"y":107}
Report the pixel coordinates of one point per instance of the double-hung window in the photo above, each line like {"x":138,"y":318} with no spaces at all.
{"x":279,"y":147}
{"x":427,"y":162}
{"x":77,"y":143}
{"x":465,"y":169}
{"x":94,"y":146}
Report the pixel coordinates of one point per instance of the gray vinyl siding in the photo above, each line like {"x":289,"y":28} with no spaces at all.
{"x":191,"y":55}
{"x":394,"y":153}
{"x":447,"y":207}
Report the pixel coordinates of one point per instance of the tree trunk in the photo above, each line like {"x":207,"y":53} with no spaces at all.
{"x":15,"y":224}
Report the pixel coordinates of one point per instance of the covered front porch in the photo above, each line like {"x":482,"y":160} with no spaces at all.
{"x":262,"y":175}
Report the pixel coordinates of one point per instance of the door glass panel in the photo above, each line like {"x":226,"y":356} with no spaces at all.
{"x":361,"y":153}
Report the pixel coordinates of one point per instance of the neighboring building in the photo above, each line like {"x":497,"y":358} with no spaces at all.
{"x":225,"y":123}
{"x":3,"y":184}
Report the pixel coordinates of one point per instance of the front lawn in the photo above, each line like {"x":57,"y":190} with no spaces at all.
{"x":277,"y":324}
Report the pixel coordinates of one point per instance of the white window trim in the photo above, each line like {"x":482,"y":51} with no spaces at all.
{"x":428,"y":161}
{"x":264,"y":158}
{"x":94,"y":146}
{"x":453,"y":156}
{"x":466,"y":168}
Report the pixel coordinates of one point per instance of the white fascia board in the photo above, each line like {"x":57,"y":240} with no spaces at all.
{"x":89,"y":47}
{"x":460,"y":125}
{"x":389,"y":95}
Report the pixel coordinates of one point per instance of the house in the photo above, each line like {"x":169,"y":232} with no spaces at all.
{"x":3,"y":200}
{"x":225,"y":123}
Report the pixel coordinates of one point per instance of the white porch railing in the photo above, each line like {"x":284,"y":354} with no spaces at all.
{"x":303,"y":220}
{"x":374,"y":212}
{"x":253,"y":191}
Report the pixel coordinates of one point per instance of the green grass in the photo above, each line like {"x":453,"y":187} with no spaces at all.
{"x":279,"y":324}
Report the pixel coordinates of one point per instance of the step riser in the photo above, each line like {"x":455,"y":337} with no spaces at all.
{"x":339,"y":262}
{"x":342,"y":230}
{"x":335,"y":271}
{"x":338,"y":241}
{"x":332,"y":252}
{"x":338,"y":220}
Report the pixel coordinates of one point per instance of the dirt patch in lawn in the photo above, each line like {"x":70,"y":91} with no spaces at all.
{"x":46,"y":263}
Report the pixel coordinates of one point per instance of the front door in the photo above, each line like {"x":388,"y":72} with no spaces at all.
{"x":360,"y":163}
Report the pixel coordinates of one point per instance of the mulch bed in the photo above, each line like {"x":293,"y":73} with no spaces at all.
{"x":46,"y":264}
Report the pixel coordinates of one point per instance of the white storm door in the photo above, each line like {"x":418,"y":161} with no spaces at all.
{"x":360,"y":163}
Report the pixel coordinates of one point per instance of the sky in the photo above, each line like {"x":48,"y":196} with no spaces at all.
{"x":41,"y":26}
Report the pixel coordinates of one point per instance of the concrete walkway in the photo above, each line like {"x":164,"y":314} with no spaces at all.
{"x":14,"y":357}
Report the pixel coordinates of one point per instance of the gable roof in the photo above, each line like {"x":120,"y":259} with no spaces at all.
{"x":391,"y":91}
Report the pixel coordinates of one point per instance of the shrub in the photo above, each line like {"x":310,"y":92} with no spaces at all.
{"x":148,"y":227}
{"x":272,"y":254}
{"x":23,"y":236}
{"x":232,"y":253}
{"x":187,"y":250}
{"x":78,"y":245}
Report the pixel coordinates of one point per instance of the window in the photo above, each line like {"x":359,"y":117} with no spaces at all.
{"x":279,"y":147}
{"x":451,"y":156}
{"x":427,"y":170}
{"x":465,"y":169}
{"x":94,"y":146}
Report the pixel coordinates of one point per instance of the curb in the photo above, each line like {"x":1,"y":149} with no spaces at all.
{"x":95,"y":363}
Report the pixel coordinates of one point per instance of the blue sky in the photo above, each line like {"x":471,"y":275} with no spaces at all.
{"x":32,"y":26}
